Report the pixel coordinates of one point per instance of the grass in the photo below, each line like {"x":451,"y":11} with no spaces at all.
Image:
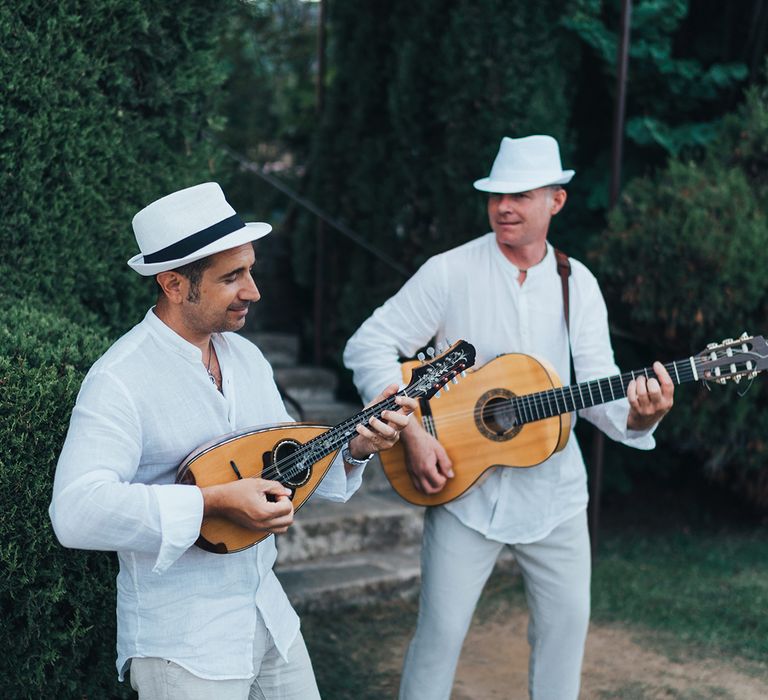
{"x":689,"y":580}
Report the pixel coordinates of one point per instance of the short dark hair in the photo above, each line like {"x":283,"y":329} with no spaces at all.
{"x":193,"y":271}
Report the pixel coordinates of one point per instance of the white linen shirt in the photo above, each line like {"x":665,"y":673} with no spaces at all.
{"x":142,"y":408}
{"x":471,"y":292}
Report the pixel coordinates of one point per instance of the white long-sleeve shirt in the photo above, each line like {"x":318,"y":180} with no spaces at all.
{"x":472,"y":292}
{"x":142,"y":408}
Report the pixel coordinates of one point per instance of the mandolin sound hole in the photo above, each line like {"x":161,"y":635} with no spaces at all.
{"x":292,"y":469}
{"x":495,"y":415}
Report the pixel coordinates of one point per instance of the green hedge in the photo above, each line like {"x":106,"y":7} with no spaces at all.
{"x":103,"y":108}
{"x":57,"y":606}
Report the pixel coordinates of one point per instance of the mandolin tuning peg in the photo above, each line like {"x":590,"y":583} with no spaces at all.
{"x":737,"y":378}
{"x":727,"y":341}
{"x":454,"y":380}
{"x":744,"y":336}
{"x":711,"y":346}
{"x":430,"y":352}
{"x":437,"y":395}
{"x":447,"y":386}
{"x":463,"y":373}
{"x":421,"y":357}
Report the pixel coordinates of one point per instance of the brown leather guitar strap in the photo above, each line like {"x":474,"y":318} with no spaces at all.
{"x":564,"y":270}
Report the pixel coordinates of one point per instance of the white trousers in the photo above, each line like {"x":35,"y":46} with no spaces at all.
{"x":456,"y":562}
{"x":274,"y":679}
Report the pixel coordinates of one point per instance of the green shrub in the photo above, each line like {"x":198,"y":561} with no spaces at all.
{"x":57,"y":605}
{"x":684,"y":262}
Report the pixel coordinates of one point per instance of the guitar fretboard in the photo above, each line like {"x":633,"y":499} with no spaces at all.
{"x":566,"y":399}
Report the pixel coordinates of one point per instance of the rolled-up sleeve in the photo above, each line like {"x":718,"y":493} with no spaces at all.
{"x":95,"y":504}
{"x":593,"y":359}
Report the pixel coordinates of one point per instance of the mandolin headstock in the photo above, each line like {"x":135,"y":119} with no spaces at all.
{"x":430,"y":377}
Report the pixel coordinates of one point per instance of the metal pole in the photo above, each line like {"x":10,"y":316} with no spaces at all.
{"x":320,"y":229}
{"x":617,"y":152}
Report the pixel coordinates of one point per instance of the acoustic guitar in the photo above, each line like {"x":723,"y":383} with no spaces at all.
{"x":515,"y":412}
{"x":298,"y":455}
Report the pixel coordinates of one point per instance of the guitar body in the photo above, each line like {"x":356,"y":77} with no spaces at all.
{"x":253,"y":452}
{"x":477,"y":431}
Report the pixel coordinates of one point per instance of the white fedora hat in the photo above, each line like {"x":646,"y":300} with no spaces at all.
{"x":188,"y":225}
{"x":525,"y":164}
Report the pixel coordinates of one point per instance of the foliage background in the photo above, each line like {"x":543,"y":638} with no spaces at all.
{"x":110,"y":104}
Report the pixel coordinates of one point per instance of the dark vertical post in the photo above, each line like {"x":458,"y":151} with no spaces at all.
{"x":317,"y":350}
{"x":617,"y":150}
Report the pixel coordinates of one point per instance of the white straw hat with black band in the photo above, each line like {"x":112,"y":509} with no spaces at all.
{"x":524,"y":164}
{"x":188,"y":225}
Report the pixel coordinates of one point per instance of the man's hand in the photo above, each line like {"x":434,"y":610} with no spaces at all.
{"x":256,"y":504}
{"x":649,"y":400}
{"x":381,"y":434}
{"x":427,"y":461}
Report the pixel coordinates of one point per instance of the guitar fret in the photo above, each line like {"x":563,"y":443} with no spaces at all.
{"x":602,"y":400}
{"x":581,"y":396}
{"x":610,"y":386}
{"x":557,"y":405}
{"x":573,"y":400}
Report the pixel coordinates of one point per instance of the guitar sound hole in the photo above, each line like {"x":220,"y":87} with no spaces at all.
{"x":292,"y":470}
{"x":495,"y":415}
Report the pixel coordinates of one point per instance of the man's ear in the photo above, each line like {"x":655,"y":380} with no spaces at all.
{"x":558,"y":200}
{"x":173,"y":284}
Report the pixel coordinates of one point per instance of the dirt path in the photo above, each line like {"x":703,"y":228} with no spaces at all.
{"x":615,"y":667}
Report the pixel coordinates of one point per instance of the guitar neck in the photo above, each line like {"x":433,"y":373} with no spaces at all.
{"x":567,"y":399}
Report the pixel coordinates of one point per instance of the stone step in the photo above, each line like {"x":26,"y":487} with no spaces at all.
{"x":280,"y":349}
{"x":352,"y":579}
{"x":308,"y":384}
{"x":358,"y":579}
{"x":369,"y":521}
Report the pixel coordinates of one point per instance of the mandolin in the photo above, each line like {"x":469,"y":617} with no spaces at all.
{"x":515,"y":412}
{"x":298,"y":455}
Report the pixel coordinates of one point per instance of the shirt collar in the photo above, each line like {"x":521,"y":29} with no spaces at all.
{"x":540,"y":268}
{"x":173,"y":340}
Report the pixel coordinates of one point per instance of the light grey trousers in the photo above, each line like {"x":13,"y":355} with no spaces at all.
{"x":456,"y":562}
{"x":274,"y":679}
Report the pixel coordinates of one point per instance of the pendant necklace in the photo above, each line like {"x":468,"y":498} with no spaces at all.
{"x":208,"y":366}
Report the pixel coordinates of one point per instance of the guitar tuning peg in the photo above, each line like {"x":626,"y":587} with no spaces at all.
{"x":421,"y":356}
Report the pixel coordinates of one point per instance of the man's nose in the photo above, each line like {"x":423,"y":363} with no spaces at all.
{"x":506,"y":203}
{"x":250,"y":291}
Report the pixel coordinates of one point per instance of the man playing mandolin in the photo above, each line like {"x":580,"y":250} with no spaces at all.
{"x":191,"y":623}
{"x":504,"y":294}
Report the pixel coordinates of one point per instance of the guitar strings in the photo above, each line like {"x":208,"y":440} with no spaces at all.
{"x":548,"y":403}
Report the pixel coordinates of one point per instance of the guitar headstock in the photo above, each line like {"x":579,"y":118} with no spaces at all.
{"x":432,"y":376}
{"x":733,"y":359}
